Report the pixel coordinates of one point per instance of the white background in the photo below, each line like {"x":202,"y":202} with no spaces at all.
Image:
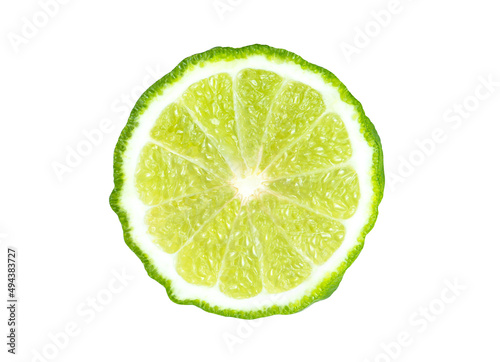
{"x":438,"y":221}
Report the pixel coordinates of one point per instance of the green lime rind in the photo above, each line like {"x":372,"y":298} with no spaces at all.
{"x":331,"y":282}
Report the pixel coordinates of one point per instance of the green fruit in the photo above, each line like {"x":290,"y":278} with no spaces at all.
{"x":246,"y":181}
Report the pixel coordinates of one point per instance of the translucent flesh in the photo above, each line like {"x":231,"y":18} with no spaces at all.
{"x":241,"y":275}
{"x":255,"y":125}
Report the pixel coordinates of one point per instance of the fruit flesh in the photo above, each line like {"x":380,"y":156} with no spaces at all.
{"x":223,"y":131}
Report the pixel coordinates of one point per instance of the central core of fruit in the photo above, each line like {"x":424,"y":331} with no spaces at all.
{"x":248,"y":187}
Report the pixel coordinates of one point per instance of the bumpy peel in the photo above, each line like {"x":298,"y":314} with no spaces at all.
{"x":255,"y":124}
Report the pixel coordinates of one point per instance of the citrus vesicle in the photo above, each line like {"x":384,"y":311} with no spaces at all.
{"x":246,"y":181}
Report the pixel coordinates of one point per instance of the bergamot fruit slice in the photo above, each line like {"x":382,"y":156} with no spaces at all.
{"x":246,"y":181}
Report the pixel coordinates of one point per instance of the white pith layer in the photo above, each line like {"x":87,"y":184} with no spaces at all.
{"x":361,"y":161}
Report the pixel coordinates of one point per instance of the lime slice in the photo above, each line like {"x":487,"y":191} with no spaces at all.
{"x":246,"y":181}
